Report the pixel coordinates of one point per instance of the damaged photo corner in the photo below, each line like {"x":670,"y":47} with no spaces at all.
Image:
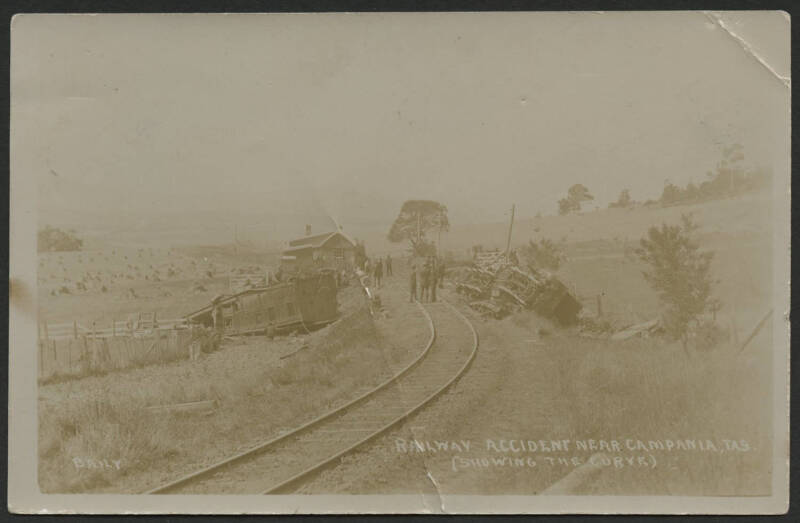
{"x":442,"y":263}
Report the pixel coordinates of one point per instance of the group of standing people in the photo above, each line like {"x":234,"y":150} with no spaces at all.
{"x":379,"y":268}
{"x":426,"y":276}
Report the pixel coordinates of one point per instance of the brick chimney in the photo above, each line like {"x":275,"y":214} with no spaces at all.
{"x":308,"y":229}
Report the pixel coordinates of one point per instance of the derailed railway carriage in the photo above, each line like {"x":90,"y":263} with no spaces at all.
{"x":305,"y":302}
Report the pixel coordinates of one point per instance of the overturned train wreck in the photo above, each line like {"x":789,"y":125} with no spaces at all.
{"x":303,"y":302}
{"x":498,"y":288}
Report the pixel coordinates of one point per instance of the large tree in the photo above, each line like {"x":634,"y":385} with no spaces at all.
{"x":576,"y":195}
{"x":416,"y":218}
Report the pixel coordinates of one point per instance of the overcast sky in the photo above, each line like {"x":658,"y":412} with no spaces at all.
{"x":353,"y":114}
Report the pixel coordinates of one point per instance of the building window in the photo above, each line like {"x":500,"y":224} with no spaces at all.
{"x":290,"y":309}
{"x":271,"y":313}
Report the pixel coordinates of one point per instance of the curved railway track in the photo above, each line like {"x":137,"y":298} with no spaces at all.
{"x":283,"y":463}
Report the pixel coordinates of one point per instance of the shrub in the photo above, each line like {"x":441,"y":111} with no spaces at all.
{"x":544,"y":254}
{"x":729,"y":179}
{"x":623,"y":201}
{"x":681,"y":275}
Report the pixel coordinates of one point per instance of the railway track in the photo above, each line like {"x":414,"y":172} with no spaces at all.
{"x":282,"y":464}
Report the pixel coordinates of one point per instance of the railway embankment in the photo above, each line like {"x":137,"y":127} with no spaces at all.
{"x":99,"y":434}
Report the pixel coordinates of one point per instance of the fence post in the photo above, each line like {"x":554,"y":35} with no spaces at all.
{"x":87,"y":356}
{"x":46,"y":335}
{"x":113,"y":328}
{"x":599,"y":306}
{"x":75,"y":329}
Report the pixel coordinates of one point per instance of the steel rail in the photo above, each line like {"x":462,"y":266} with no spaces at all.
{"x":193,"y":476}
{"x":314,"y":469}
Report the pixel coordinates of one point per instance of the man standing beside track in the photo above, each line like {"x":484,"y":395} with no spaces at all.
{"x":378,"y":271}
{"x":425,"y":280}
{"x":413,"y":282}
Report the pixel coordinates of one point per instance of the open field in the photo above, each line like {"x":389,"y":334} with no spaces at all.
{"x":741,"y":264}
{"x":116,"y":282}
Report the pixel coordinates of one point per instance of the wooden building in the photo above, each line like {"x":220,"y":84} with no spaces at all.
{"x":330,"y":250}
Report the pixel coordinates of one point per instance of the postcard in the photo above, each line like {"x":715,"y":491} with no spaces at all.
{"x":443,"y":263}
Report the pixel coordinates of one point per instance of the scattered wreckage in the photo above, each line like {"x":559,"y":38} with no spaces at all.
{"x":497,"y":287}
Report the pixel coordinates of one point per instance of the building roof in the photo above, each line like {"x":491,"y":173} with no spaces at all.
{"x":318,"y":240}
{"x":298,"y":248}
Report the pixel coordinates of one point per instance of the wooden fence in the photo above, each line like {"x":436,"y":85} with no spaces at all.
{"x":72,"y":351}
{"x":117,"y":328}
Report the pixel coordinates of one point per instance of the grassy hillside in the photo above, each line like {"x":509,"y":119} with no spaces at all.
{"x":749,"y":213}
{"x":600,"y":259}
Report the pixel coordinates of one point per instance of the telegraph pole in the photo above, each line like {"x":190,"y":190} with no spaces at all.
{"x":510,"y":227}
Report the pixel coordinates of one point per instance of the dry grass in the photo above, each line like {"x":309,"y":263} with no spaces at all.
{"x":323,"y":365}
{"x":563,"y":386}
{"x":102,"y":428}
{"x":255,"y":398}
{"x":647,"y":390}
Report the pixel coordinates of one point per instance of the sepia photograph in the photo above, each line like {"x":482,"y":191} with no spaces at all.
{"x":432,"y":263}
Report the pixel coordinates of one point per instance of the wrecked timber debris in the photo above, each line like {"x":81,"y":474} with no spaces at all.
{"x":498,"y":287}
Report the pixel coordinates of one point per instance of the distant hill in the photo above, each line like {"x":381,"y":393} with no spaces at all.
{"x":269,"y":230}
{"x":748,"y":213}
